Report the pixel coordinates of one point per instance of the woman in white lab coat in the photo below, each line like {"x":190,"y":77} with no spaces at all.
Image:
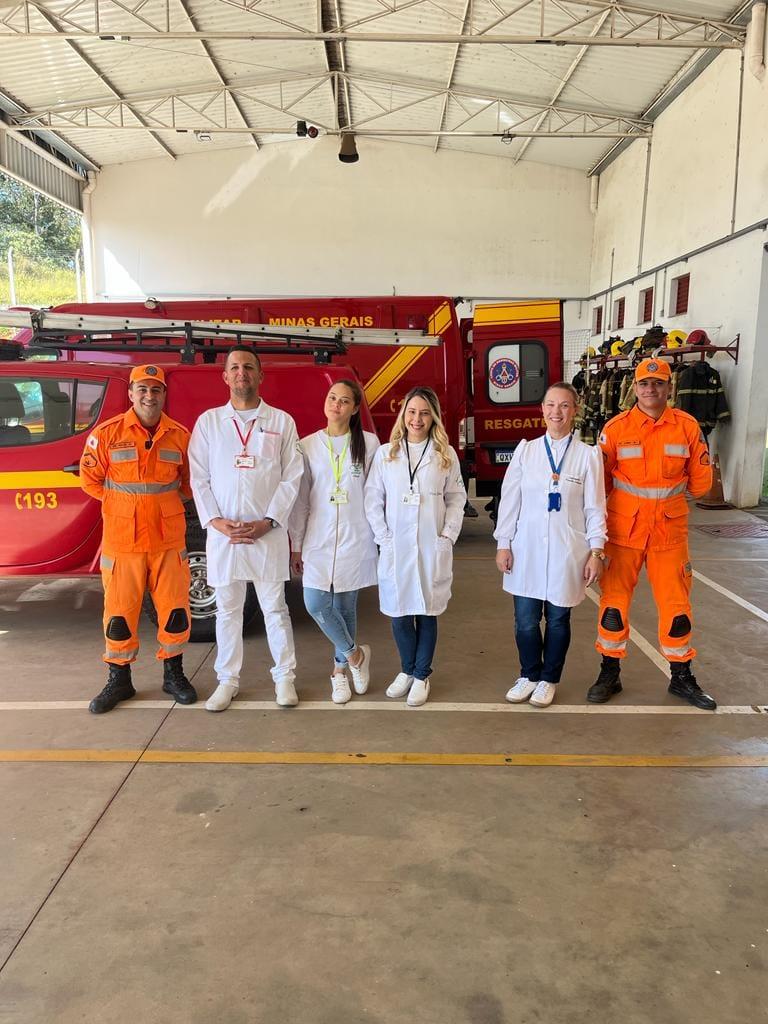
{"x":332,"y":545}
{"x":551,"y":535}
{"x":415,"y":499}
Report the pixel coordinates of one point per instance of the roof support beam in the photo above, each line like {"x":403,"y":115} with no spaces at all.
{"x":452,"y":72}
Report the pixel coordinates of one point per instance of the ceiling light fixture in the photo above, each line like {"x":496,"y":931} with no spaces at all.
{"x":348,"y":150}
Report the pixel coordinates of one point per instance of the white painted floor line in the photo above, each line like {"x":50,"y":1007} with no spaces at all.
{"x":387,"y":705}
{"x":733,"y":597}
{"x":639,"y":640}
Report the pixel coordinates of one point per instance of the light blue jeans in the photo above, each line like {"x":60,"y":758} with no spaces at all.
{"x":336,"y":615}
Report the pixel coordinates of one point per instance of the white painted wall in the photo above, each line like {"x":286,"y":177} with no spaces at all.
{"x":692,"y":182}
{"x":290,"y":219}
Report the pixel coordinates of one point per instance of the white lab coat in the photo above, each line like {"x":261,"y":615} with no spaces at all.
{"x":416,"y":542}
{"x":267,"y":491}
{"x":550,"y":549}
{"x":336,"y":541}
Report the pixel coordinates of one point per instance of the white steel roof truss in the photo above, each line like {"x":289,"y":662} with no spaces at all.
{"x":464,"y":21}
{"x":627,"y":25}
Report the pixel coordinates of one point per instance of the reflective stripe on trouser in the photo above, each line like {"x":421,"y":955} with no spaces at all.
{"x":669,"y":573}
{"x":126,"y":577}
{"x":229,"y":630}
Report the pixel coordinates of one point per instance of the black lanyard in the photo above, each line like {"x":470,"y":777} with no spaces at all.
{"x":556,"y":469}
{"x":412,"y":472}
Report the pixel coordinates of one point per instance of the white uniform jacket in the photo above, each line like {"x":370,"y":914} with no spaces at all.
{"x":550,"y":549}
{"x":416,"y":541}
{"x":268,"y":489}
{"x":336,"y":541}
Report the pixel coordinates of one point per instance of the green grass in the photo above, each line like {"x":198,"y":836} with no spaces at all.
{"x":37,"y":286}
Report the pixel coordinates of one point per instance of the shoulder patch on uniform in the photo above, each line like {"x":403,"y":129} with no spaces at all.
{"x":603,"y":439}
{"x":92,"y":442}
{"x":89,"y":460}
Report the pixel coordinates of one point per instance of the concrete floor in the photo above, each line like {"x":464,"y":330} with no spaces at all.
{"x":235,"y":893}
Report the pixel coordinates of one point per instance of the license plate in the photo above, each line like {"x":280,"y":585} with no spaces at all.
{"x":503,"y":457}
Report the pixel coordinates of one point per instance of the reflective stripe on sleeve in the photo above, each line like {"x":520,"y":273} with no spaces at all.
{"x":113,"y":485}
{"x":676,"y":449}
{"x":124,"y":455}
{"x":106,"y":562}
{"x":653,"y":493}
{"x":629,"y":451}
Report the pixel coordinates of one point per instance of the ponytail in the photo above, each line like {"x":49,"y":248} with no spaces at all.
{"x":357,"y":436}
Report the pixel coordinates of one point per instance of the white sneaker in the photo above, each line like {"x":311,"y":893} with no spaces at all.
{"x":285,"y":694}
{"x":400,"y":685}
{"x":521,"y":691}
{"x":361,"y":674}
{"x":543,"y":695}
{"x":340,"y":691}
{"x":221,"y":697}
{"x":419,"y":693}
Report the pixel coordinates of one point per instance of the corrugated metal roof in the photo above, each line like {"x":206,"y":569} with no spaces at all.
{"x":390,"y":86}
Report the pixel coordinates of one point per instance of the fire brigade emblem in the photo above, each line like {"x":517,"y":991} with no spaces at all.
{"x":652,"y":367}
{"x":504,"y":373}
{"x":151,"y":371}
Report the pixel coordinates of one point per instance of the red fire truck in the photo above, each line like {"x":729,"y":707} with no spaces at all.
{"x":68,"y":371}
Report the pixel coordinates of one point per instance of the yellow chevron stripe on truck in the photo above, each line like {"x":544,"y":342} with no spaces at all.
{"x":37,"y":481}
{"x":516,"y":312}
{"x":398,"y":365}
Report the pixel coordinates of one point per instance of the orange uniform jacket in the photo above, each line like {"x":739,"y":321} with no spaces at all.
{"x":140,"y":488}
{"x":649,"y":466}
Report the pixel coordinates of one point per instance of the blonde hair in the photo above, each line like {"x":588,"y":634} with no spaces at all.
{"x":437,"y":433}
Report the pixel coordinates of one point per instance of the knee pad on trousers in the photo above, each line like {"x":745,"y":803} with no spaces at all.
{"x":117,"y":629}
{"x":612,"y":620}
{"x":681,"y":626}
{"x":178,"y":621}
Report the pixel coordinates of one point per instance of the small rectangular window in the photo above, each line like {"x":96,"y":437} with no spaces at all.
{"x":518,"y":372}
{"x":618,"y":314}
{"x":597,"y":320}
{"x":645,"y":309}
{"x":680,"y":290}
{"x":35,"y":411}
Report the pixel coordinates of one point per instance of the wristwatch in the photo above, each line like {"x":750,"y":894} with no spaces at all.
{"x":272,"y":522}
{"x":599,"y":553}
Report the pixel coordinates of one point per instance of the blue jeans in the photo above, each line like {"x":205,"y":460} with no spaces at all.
{"x":541,"y":658}
{"x":416,"y":639}
{"x":336,"y":615}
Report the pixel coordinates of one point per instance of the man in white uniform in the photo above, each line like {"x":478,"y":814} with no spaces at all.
{"x":246,"y":467}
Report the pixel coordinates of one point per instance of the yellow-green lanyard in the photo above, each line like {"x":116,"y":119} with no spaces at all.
{"x":337,"y":464}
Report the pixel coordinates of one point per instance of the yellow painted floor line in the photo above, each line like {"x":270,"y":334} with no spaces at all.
{"x":319,"y":757}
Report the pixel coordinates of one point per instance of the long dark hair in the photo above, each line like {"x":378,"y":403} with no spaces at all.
{"x":357,"y":437}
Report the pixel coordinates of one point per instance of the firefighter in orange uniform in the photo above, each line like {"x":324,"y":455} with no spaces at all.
{"x":136,"y":465}
{"x":652,"y":454}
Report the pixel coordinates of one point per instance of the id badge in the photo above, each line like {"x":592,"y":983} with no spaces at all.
{"x":412,"y":498}
{"x":555,"y":501}
{"x":245,"y":461}
{"x":339,"y":497}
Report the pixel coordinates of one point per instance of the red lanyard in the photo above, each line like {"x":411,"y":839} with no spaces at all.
{"x":247,"y":436}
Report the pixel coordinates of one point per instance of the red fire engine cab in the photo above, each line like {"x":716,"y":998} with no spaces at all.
{"x":67,"y":371}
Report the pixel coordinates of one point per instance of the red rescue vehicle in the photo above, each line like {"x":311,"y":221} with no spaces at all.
{"x":69,"y":372}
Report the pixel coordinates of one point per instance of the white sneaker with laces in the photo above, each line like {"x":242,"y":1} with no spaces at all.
{"x":361,"y":674}
{"x":285,"y":694}
{"x":340,"y":691}
{"x":221,"y":697}
{"x":521,"y":691}
{"x":419,"y":693}
{"x":400,"y":685}
{"x":543,"y":695}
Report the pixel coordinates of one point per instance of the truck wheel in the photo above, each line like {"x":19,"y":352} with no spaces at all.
{"x":202,"y":597}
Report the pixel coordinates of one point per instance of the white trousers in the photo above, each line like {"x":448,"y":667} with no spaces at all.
{"x":229,"y":630}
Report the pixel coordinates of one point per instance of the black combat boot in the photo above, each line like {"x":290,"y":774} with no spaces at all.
{"x":119,"y":687}
{"x":176,"y":683}
{"x":607,"y":683}
{"x":684,"y":685}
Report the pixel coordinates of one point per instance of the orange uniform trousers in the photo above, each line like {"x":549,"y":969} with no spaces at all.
{"x":670,"y":576}
{"x":126,"y":576}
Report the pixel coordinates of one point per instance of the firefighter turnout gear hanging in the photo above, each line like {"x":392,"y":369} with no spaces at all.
{"x":649,"y":466}
{"x":140,"y":475}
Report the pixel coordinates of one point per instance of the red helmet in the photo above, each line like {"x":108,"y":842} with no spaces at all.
{"x":698,"y":337}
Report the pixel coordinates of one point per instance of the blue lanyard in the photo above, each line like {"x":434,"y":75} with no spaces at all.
{"x":556,"y":469}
